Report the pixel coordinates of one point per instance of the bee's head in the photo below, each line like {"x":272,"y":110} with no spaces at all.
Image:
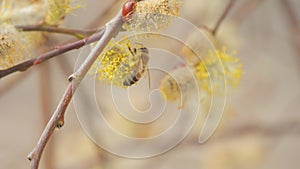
{"x":140,"y":48}
{"x":143,"y":50}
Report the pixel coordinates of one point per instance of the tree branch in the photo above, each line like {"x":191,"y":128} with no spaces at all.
{"x":223,"y":16}
{"x":78,"y":33}
{"x":57,"y":119}
{"x":48,"y":55}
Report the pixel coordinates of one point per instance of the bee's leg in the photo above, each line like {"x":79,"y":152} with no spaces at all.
{"x":132,"y":53}
{"x":148,"y":78}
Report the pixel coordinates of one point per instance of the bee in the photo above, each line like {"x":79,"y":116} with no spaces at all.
{"x":142,"y":53}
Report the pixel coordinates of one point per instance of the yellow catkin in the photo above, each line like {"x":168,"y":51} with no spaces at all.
{"x":56,"y":10}
{"x":23,"y":12}
{"x":200,"y":41}
{"x":207,"y":76}
{"x":12,"y":47}
{"x":115,"y":63}
{"x":17,"y":46}
{"x":211,"y":72}
{"x":178,"y":83}
{"x":151,"y":15}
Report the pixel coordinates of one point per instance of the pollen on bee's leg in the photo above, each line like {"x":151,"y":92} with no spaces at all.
{"x":117,"y":63}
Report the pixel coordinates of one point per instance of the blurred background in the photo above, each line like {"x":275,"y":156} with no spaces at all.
{"x":260,"y":126}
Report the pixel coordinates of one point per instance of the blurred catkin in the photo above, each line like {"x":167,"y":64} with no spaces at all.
{"x":56,"y":10}
{"x":17,"y":46}
{"x":151,"y":15}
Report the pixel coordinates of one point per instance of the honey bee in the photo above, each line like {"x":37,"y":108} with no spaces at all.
{"x":142,"y":53}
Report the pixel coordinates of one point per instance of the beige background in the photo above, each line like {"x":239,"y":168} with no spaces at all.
{"x":267,"y":100}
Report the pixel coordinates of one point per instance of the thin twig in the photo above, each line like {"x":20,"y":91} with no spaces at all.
{"x":223,"y":16}
{"x":57,"y":119}
{"x":48,"y":55}
{"x":66,"y":69}
{"x":78,"y":33}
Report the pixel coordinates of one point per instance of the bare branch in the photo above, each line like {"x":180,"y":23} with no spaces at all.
{"x":79,"y":33}
{"x":223,"y":16}
{"x":57,"y":119}
{"x":48,"y":55}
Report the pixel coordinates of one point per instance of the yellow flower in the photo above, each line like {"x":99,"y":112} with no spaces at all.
{"x":211,"y":73}
{"x":200,"y":41}
{"x":56,"y":10}
{"x":115,"y":63}
{"x":152,"y":15}
{"x":21,"y":12}
{"x":12,"y":48}
{"x":15,"y":45}
{"x":207,"y":75}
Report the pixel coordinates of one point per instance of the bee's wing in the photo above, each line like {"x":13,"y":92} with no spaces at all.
{"x":144,"y":67}
{"x":148,"y":77}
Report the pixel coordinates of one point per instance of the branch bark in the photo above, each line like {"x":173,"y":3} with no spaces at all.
{"x":48,"y":55}
{"x":223,"y":16}
{"x":79,"y":33}
{"x":57,"y":120}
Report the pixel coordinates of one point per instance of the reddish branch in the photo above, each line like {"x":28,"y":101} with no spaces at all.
{"x":57,"y":119}
{"x":79,"y":33}
{"x":223,"y":16}
{"x":48,"y":55}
